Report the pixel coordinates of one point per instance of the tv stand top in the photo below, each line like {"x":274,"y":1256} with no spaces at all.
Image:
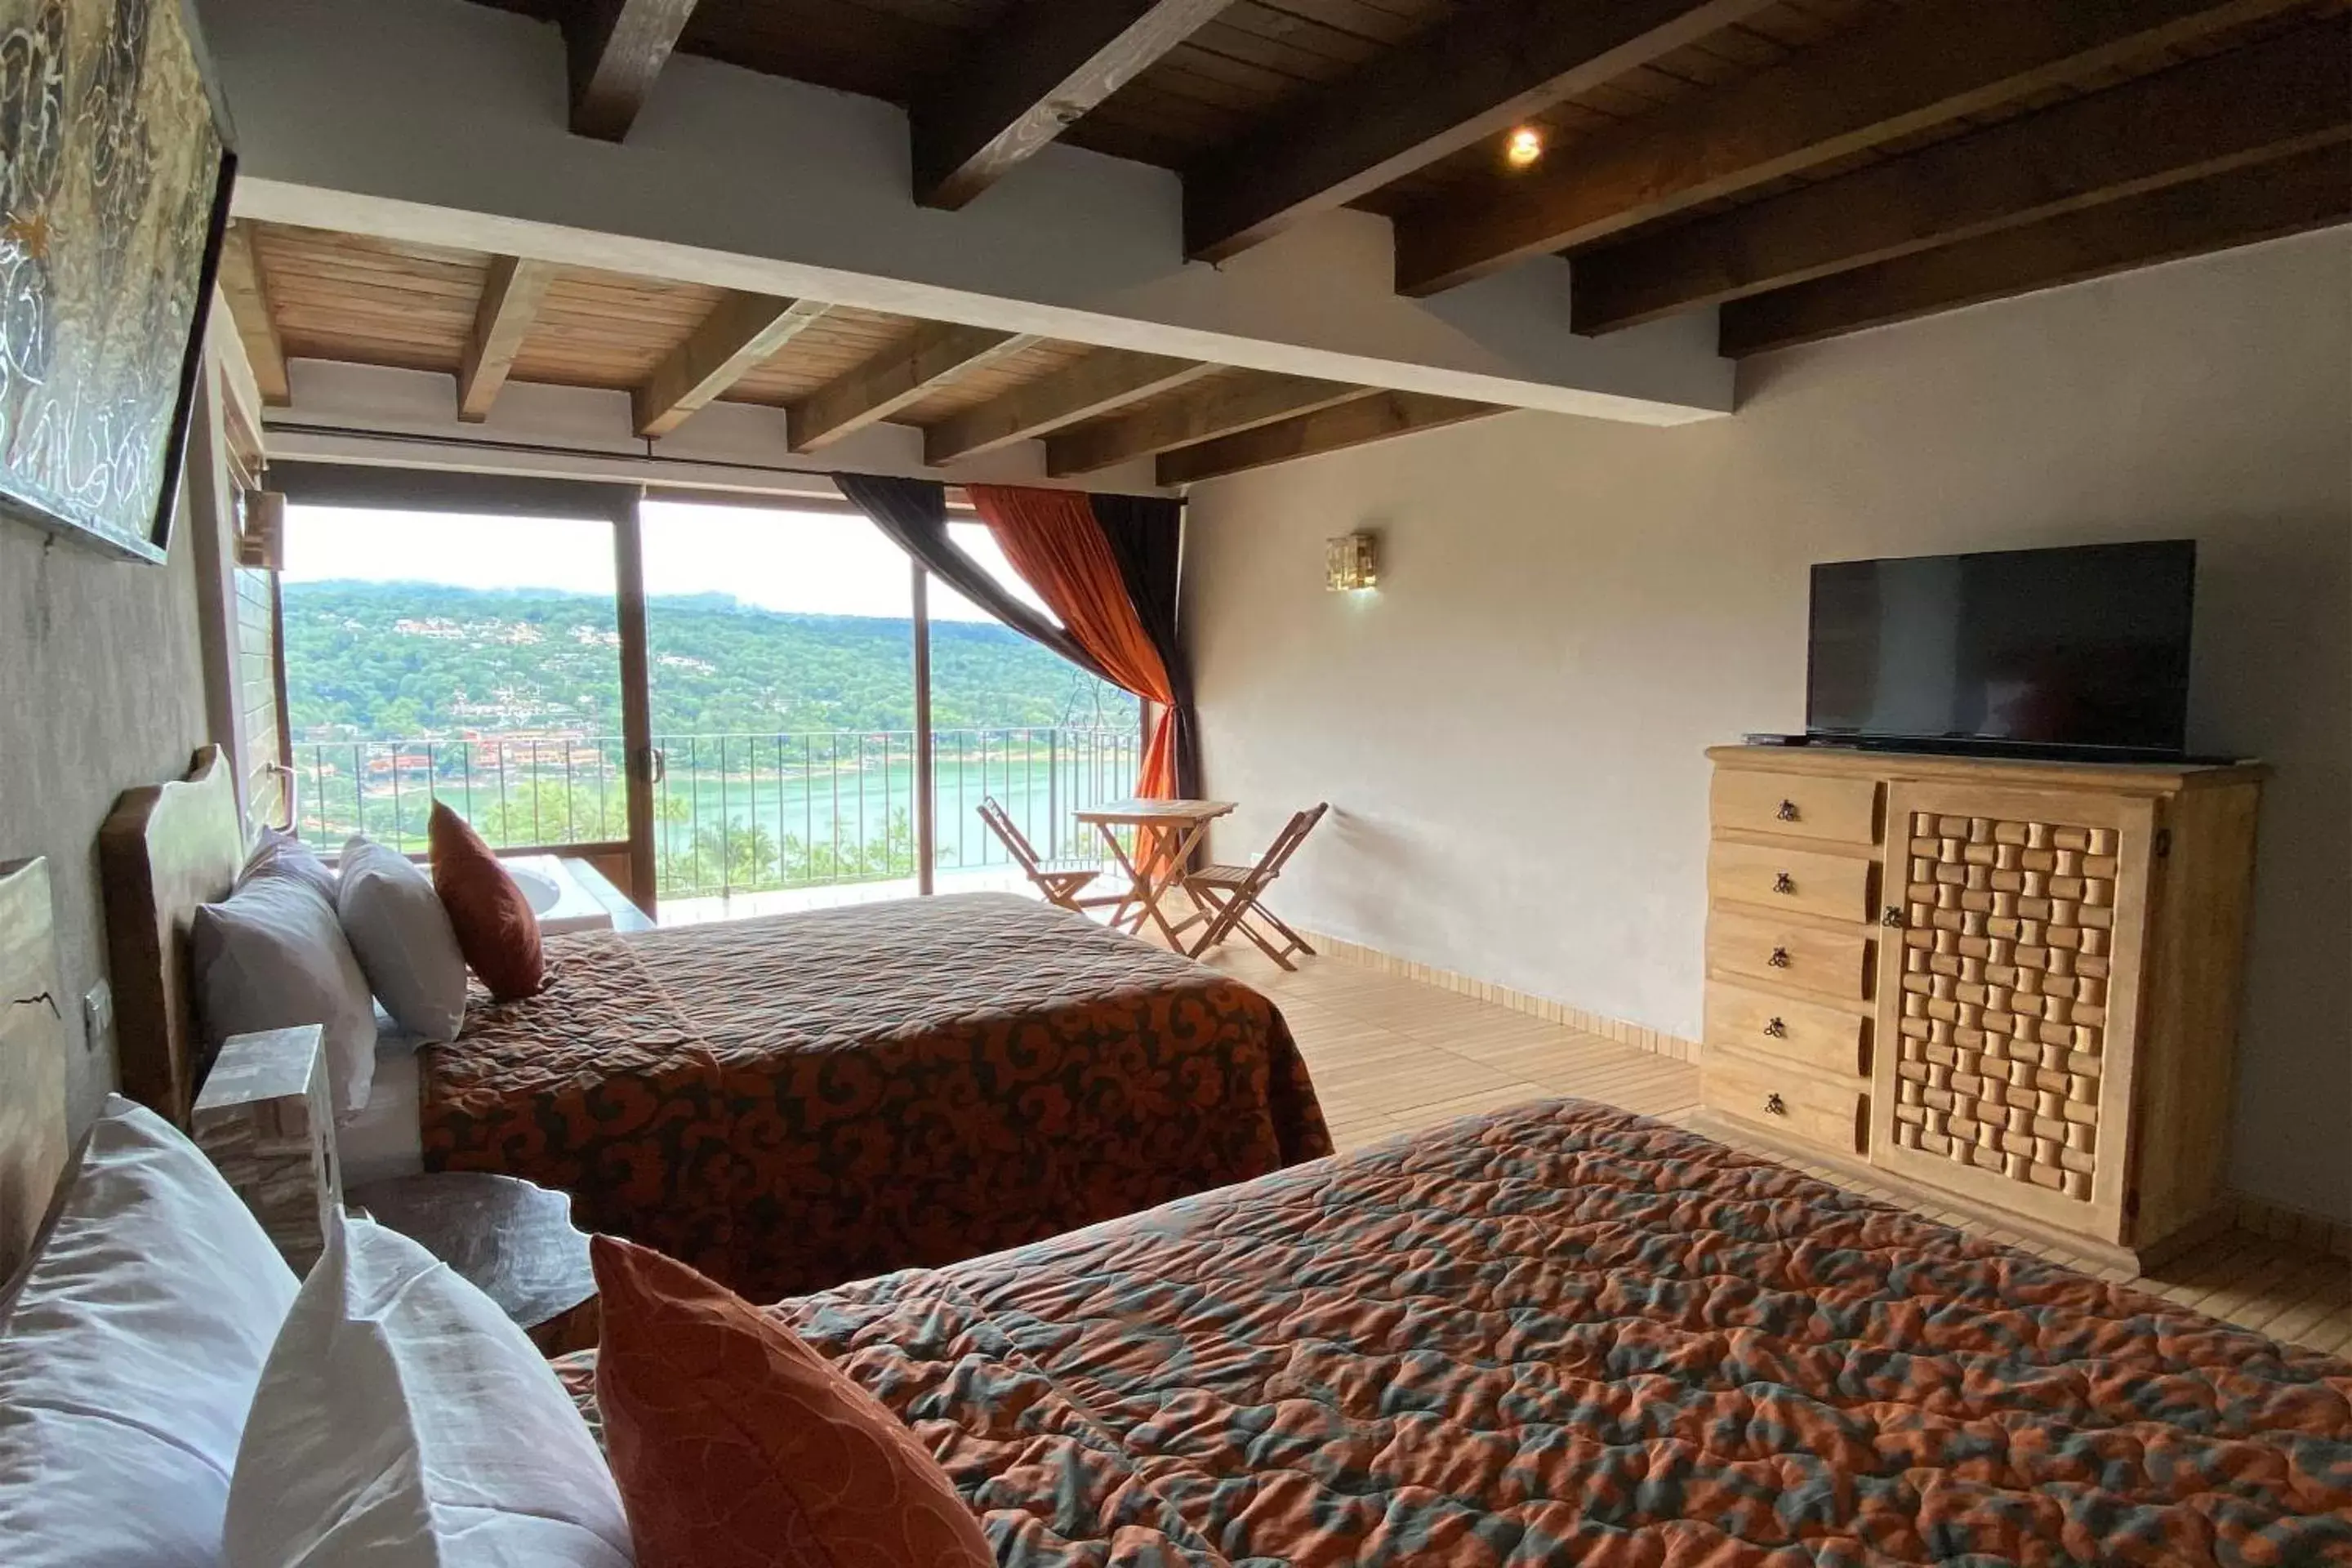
{"x":1822,"y":755}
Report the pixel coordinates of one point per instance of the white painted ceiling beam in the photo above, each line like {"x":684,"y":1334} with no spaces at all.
{"x":445,"y":121}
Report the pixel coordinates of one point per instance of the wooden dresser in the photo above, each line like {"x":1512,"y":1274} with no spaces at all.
{"x":2009,"y":988}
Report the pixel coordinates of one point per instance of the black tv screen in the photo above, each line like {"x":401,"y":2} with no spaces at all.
{"x":2085,"y":648}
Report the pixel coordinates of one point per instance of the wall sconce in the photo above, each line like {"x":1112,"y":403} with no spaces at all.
{"x":1350,"y":564}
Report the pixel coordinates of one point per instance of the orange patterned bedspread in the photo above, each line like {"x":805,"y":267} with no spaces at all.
{"x":790,"y":1102}
{"x":1564,"y":1334}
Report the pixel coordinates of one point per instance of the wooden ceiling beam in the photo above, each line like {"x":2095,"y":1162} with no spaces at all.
{"x":616,"y":49}
{"x":1101,"y":383}
{"x":511,"y":295}
{"x":246,"y":290}
{"x":1373,"y":417}
{"x":1466,"y":79}
{"x":1045,"y":66}
{"x":1210,"y":412}
{"x":1924,"y":65}
{"x":2284,"y":96}
{"x":740,"y":334}
{"x":897,"y":378}
{"x":2310,"y":190}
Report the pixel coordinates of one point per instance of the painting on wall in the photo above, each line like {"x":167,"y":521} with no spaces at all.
{"x":114,"y":179}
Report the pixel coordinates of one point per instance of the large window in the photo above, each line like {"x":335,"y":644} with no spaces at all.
{"x":472,"y":659}
{"x":770,"y":757}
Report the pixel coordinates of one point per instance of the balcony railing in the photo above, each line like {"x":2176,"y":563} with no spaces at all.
{"x":732,"y":813}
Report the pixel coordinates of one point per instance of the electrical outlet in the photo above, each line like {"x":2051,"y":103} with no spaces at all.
{"x":98,"y":1017}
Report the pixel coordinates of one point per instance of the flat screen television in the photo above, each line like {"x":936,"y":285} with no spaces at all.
{"x":2072,"y":651}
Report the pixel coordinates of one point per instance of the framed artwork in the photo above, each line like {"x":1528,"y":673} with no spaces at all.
{"x":115,"y":170}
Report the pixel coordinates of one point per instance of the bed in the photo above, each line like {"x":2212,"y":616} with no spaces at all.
{"x":784,"y":1104}
{"x":1563,"y":1333}
{"x":787,"y":1103}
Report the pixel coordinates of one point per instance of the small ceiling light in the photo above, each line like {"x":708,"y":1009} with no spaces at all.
{"x":1523,"y":146}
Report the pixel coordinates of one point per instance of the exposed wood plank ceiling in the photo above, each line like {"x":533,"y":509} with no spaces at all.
{"x":1809,"y":166}
{"x":490,"y":320}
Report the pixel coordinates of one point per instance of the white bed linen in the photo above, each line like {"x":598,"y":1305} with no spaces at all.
{"x":402,"y":1421}
{"x":130,"y":1357}
{"x":387,"y":1139}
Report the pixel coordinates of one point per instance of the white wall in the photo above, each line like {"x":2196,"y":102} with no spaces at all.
{"x":1510,"y":730}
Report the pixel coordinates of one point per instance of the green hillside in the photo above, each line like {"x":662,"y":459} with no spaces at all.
{"x":413,"y":659}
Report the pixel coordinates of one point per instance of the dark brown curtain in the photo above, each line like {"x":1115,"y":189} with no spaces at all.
{"x":1147,"y":535}
{"x":914,"y":513}
{"x":1054,"y":541}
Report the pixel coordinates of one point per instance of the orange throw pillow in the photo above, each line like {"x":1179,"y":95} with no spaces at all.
{"x":736,"y":1446}
{"x":496,"y":930}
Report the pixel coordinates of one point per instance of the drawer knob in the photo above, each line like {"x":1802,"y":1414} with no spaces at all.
{"x":1779,"y":959}
{"x":1774,"y":1104}
{"x":1776,"y":1028}
{"x":1892,"y":916}
{"x":1788,"y":812}
{"x":1783,"y":883}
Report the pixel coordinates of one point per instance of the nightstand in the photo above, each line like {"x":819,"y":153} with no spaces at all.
{"x":513,"y":1240}
{"x":265,"y":1122}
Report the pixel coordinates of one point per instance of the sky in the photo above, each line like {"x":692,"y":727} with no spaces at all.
{"x":813,"y":562}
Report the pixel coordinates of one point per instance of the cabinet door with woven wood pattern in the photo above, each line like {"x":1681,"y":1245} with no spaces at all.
{"x":2008,"y":997}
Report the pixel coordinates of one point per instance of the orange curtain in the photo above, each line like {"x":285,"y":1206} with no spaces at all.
{"x":1054,"y":542}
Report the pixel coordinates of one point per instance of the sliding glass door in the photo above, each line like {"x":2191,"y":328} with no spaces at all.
{"x":1020,"y":724}
{"x":780,"y":667}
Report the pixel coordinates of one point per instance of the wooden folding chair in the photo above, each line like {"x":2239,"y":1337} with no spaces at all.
{"x":1060,"y":880}
{"x":1230,"y":896}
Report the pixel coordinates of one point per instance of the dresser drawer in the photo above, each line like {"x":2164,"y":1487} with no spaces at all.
{"x":1803,"y":806}
{"x":1832,"y":963}
{"x":1837,"y":886}
{"x":1789,"y":1102}
{"x":1805,"y":1032}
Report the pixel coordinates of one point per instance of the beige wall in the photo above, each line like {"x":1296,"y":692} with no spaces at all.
{"x":1510,"y":730}
{"x":101,"y":688}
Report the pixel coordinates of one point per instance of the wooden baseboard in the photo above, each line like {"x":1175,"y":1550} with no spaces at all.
{"x":1544,"y":1007}
{"x":2282,"y":1223}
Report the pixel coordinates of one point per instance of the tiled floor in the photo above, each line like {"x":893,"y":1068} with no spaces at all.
{"x":1390,"y":1054}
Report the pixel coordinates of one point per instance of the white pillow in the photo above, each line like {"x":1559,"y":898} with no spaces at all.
{"x":402,"y":937}
{"x":273,"y":956}
{"x":404,"y":1422}
{"x":129,"y":1356}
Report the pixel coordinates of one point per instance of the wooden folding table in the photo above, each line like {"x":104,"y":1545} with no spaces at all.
{"x":1166,"y":832}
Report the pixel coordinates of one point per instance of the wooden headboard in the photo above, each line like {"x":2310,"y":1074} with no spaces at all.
{"x":165,"y":849}
{"x":31,"y":1058}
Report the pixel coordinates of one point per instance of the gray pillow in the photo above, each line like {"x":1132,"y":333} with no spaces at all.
{"x":283,"y":854}
{"x":401,"y":935}
{"x":273,"y":956}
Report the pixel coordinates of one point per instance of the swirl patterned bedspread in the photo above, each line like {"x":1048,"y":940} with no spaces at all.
{"x":1565,"y":1334}
{"x":790,"y":1102}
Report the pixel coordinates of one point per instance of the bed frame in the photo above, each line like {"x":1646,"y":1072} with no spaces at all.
{"x":165,"y":849}
{"x":33,"y":1142}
